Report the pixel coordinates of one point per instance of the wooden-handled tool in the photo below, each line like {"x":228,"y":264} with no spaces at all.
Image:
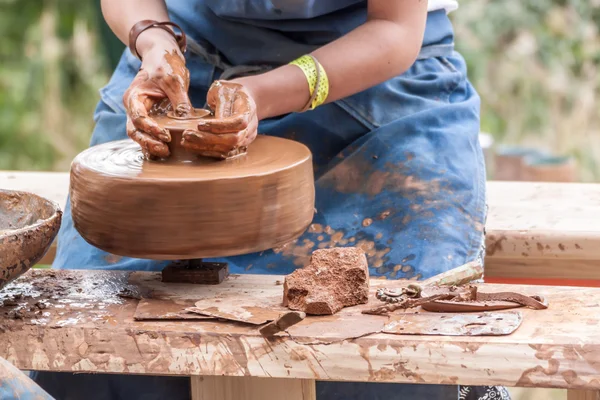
{"x":446,"y":293}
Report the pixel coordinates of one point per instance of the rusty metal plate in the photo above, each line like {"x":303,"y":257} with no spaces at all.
{"x":479,"y":324}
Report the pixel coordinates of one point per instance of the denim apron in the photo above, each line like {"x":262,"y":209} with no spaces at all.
{"x":398,"y":167}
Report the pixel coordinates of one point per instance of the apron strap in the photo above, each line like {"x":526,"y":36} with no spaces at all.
{"x":236,"y":71}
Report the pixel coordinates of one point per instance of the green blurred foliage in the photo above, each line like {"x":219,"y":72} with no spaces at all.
{"x":50,"y":71}
{"x":534,"y":62}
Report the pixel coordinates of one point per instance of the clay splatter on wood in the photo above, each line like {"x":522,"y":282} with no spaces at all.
{"x":316,"y":348}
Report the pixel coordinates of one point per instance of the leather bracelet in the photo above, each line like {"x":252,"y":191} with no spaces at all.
{"x":145,"y":24}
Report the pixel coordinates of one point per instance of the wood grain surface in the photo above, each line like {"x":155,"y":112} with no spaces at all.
{"x":87,"y":326}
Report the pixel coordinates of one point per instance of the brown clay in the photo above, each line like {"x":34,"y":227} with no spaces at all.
{"x":28,"y":225}
{"x":130,"y":206}
{"x":176,"y":125}
{"x":478,"y":301}
{"x":334,"y":278}
{"x":233,"y":127}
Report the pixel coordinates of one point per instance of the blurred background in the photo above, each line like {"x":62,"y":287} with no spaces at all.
{"x":534,"y":62}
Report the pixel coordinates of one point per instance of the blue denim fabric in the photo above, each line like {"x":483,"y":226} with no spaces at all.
{"x":277,"y":31}
{"x":16,"y":385}
{"x":398,"y":170}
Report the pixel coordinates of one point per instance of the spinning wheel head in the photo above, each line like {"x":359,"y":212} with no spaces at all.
{"x":170,"y":210}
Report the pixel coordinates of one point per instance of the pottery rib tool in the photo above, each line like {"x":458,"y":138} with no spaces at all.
{"x":455,"y":277}
{"x":189,"y":207}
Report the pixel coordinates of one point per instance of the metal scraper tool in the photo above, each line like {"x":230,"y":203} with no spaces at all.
{"x":471,"y":324}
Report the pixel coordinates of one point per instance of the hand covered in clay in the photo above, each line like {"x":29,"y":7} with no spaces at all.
{"x":162,"y":81}
{"x":233,"y":127}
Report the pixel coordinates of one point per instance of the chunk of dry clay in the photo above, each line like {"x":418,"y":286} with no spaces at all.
{"x":334,"y":278}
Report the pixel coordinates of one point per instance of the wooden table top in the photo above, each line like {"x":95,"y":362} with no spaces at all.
{"x":86,"y":325}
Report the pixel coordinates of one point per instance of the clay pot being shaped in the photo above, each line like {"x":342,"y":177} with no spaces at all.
{"x":28,"y":225}
{"x":190,"y":207}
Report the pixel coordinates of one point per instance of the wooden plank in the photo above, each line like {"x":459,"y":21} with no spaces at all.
{"x":51,"y":185}
{"x":249,"y":388}
{"x":541,"y":230}
{"x":556,"y":269}
{"x":583,"y":395}
{"x":88,"y":327}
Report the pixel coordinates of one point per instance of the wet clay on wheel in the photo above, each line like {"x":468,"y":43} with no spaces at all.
{"x":176,"y":126}
{"x":198,"y":208}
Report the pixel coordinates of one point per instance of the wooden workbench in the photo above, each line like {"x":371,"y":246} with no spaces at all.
{"x":537,"y":232}
{"x":543,"y":231}
{"x":87,"y":326}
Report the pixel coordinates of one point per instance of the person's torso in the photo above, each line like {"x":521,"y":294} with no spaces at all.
{"x":272,"y":31}
{"x":261,"y":10}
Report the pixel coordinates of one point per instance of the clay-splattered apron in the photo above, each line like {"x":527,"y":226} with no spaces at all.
{"x":398,"y":168}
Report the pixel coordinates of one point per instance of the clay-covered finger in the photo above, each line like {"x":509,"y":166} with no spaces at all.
{"x":176,"y":89}
{"x":204,"y":141}
{"x":229,"y":140}
{"x":149,"y":144}
{"x":175,"y":82}
{"x":231,"y":124}
{"x":208,"y":150}
{"x":220,"y":98}
{"x":138,"y":112}
{"x":133,"y":88}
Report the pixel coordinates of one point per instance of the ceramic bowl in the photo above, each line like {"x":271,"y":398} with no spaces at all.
{"x":28,"y":225}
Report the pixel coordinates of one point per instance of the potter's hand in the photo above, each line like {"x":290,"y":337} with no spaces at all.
{"x":233,"y":127}
{"x":163,"y":80}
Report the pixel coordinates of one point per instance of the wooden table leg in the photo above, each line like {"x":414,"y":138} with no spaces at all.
{"x":583,"y":394}
{"x":250,"y":388}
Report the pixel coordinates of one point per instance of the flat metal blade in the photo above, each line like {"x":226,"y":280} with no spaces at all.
{"x":451,"y":324}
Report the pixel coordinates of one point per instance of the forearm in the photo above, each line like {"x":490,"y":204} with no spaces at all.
{"x":122,"y":15}
{"x":372,"y":53}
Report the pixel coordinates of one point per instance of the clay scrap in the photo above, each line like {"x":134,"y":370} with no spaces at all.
{"x":457,"y":299}
{"x":335,"y":278}
{"x":282,"y":323}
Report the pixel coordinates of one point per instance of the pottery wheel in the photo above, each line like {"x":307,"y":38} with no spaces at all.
{"x":169,"y":210}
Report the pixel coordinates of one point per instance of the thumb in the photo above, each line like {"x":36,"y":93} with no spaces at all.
{"x":176,"y":91}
